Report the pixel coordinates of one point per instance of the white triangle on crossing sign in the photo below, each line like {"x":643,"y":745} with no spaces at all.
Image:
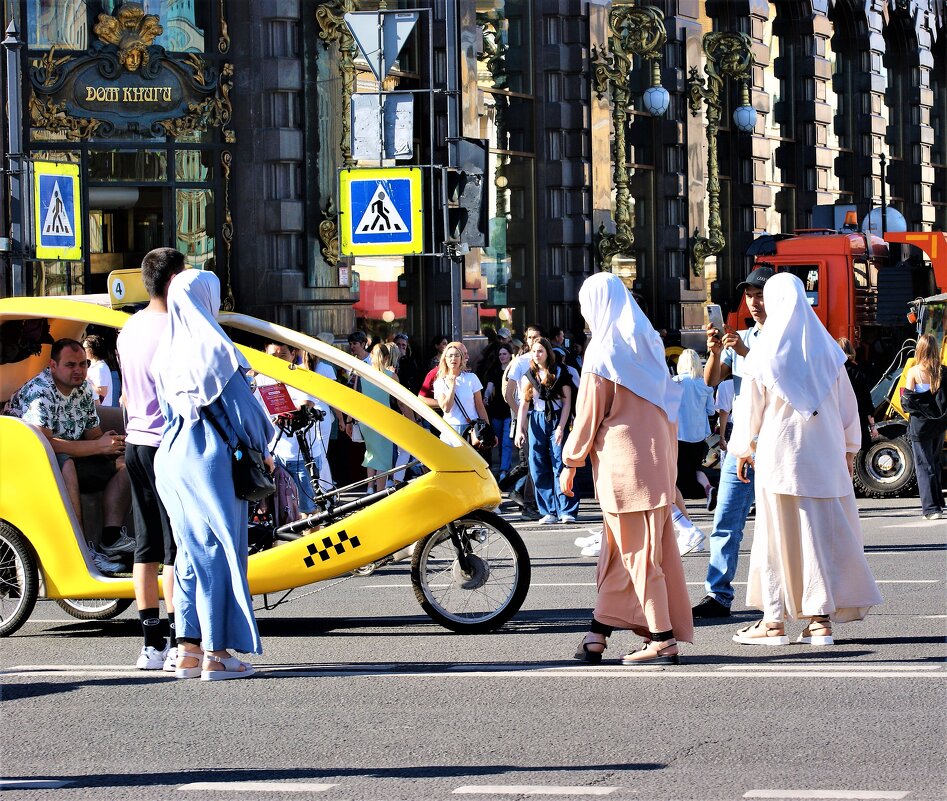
{"x":57,"y":222}
{"x":380,"y":215}
{"x":388,"y":30}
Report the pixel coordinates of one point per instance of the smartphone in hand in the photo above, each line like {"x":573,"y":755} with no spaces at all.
{"x":715,"y":316}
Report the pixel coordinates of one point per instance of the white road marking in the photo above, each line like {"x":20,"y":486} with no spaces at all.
{"x":897,"y":668}
{"x":531,"y":789}
{"x":31,"y":784}
{"x":259,"y":787}
{"x":505,"y":670}
{"x":855,"y":795}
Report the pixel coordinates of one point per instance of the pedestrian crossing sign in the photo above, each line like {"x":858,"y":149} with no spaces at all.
{"x":56,"y":203}
{"x":380,"y":212}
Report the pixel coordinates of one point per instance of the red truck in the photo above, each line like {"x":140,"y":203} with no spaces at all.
{"x":861,"y":288}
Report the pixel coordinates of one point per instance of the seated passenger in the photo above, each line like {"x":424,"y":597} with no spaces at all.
{"x":60,"y":403}
{"x":286,"y":447}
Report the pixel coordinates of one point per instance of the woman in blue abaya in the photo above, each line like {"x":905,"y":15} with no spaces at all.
{"x":200,"y":374}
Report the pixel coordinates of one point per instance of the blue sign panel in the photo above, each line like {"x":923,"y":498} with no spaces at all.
{"x":381,"y":211}
{"x":58,"y":228}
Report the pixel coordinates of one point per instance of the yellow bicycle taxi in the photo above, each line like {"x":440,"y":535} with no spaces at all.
{"x":470,"y":569}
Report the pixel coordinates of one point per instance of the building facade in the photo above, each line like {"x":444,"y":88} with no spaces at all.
{"x":220,"y":126}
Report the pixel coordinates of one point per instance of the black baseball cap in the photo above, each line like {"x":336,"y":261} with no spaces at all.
{"x":756,"y":279}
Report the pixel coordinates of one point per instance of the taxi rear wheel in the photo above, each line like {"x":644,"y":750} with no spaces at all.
{"x":19,"y":579}
{"x":481,"y":591}
{"x":94,"y":608}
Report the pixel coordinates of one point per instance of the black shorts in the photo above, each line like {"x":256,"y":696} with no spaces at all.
{"x":94,"y":472}
{"x":154,"y":542}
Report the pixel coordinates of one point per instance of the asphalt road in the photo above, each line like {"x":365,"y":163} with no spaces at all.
{"x":361,"y":696}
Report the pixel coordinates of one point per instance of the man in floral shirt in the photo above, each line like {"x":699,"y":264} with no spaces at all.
{"x":60,"y":403}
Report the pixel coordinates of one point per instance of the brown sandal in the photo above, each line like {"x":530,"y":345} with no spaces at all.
{"x":654,"y":653}
{"x":762,"y":633}
{"x":591,"y":648}
{"x":818,"y":632}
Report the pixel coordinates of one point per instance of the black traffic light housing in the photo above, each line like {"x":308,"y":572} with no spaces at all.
{"x":466,"y":195}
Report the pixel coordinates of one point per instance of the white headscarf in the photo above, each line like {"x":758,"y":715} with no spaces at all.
{"x":624,"y":347}
{"x":793,"y":356}
{"x":195,"y":358}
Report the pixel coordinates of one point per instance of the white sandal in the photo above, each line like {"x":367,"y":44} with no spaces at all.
{"x":233,"y":668}
{"x":189,"y":672}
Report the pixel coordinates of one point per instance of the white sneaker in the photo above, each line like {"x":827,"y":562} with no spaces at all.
{"x":584,"y":542}
{"x":151,"y":658}
{"x":103,"y":563}
{"x":592,"y":550}
{"x":690,"y":541}
{"x":123,"y":546}
{"x":171,"y":660}
{"x":545,"y":520}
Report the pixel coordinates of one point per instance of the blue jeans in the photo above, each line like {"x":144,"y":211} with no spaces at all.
{"x":505,"y":444}
{"x":297,"y":469}
{"x":545,"y":464}
{"x":734,"y":499}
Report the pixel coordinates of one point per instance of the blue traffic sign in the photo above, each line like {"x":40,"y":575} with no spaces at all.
{"x":56,"y":195}
{"x":381,"y":211}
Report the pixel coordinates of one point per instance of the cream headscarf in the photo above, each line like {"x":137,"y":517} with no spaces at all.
{"x":195,"y":358}
{"x":793,"y":356}
{"x":624,"y":347}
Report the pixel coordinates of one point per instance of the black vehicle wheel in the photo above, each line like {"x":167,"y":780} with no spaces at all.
{"x":493,"y":587}
{"x":19,"y":579}
{"x":94,"y":608}
{"x":886,"y":468}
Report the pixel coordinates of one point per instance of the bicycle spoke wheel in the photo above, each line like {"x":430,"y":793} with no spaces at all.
{"x":493,"y":586}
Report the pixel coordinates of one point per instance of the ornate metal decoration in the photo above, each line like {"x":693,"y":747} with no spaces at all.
{"x":132,"y":31}
{"x":123,"y":84}
{"x":226,"y":231}
{"x":632,"y":30}
{"x":223,"y":43}
{"x":728,"y":55}
{"x":329,"y":234}
{"x":331,"y":20}
{"x":212,"y":112}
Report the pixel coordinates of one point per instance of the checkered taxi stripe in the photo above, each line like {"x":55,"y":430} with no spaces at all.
{"x":337,"y":543}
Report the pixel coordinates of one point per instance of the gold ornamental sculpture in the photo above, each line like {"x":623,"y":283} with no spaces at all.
{"x":126,"y":84}
{"x":132,"y":31}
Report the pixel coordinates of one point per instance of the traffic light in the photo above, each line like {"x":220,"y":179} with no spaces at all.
{"x":467,"y":196}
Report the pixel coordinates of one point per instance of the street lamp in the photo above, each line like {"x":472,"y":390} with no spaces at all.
{"x":639,"y":31}
{"x":728,"y":55}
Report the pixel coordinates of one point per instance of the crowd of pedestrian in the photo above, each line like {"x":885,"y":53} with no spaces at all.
{"x":789,"y":401}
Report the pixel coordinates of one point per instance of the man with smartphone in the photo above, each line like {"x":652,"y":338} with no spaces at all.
{"x":726,"y":350}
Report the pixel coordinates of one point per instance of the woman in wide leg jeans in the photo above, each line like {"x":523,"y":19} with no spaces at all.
{"x":543,"y":416}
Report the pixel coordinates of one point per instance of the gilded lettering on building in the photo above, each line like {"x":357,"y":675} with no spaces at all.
{"x":126,"y":94}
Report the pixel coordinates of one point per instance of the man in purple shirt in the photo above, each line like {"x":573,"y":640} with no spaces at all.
{"x":137,"y":342}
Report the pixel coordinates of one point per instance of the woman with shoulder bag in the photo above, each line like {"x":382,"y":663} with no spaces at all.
{"x":205,"y":395}
{"x":546,"y":401}
{"x":458,"y":392}
{"x":925,"y":397}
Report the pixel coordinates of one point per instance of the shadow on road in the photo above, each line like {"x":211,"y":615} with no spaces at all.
{"x":406,"y":772}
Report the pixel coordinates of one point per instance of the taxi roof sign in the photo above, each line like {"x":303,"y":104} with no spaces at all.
{"x":56,"y":211}
{"x":380,"y":213}
{"x":127,"y":288}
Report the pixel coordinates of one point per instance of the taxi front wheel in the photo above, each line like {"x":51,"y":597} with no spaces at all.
{"x":19,"y":579}
{"x":472,"y":575}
